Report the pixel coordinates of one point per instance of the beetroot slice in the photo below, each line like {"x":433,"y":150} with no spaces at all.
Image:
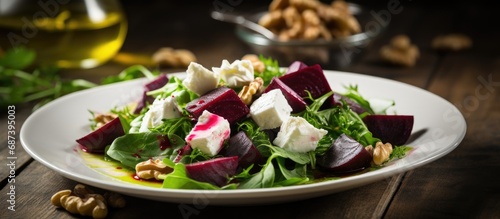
{"x":294,"y":100}
{"x":345,"y":155}
{"x":240,"y":145}
{"x":96,"y":141}
{"x":295,"y":66}
{"x":215,"y":171}
{"x":221,"y":101}
{"x":312,"y":79}
{"x":157,"y":83}
{"x":395,"y":129}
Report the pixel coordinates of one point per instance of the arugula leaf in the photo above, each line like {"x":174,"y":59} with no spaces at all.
{"x":42,"y":85}
{"x":337,"y":120}
{"x":294,"y":176}
{"x":18,"y":58}
{"x":134,"y":148}
{"x":353,"y":94}
{"x":263,"y":179}
{"x":399,"y":152}
{"x":272,"y":69}
{"x":132,"y":72}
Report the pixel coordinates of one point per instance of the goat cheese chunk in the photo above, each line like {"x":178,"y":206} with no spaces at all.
{"x":199,"y":79}
{"x":165,"y":108}
{"x":298,"y":135}
{"x":209,"y":133}
{"x":270,"y":110}
{"x":236,"y":74}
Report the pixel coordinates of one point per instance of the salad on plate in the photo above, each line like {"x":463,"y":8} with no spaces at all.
{"x":241,"y":126}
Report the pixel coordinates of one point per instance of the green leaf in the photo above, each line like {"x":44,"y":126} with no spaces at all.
{"x":399,"y":152}
{"x":262,"y":179}
{"x":178,"y":179}
{"x":296,"y":175}
{"x":134,"y":148}
{"x":130,"y":73}
{"x":353,"y":94}
{"x":18,"y":58}
{"x":272,"y":69}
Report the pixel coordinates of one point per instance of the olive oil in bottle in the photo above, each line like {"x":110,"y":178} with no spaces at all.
{"x":80,"y":34}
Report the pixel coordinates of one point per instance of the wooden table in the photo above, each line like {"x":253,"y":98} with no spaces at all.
{"x":462,"y":184}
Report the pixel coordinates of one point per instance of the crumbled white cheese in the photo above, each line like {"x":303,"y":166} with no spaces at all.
{"x":298,"y":135}
{"x":236,"y":74}
{"x":165,"y":108}
{"x":199,"y":79}
{"x":209,"y":133}
{"x":270,"y":110}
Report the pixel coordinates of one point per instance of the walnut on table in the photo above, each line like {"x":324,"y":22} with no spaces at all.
{"x":85,"y":202}
{"x":400,"y":51}
{"x":258,"y":66}
{"x":451,"y":42}
{"x":176,"y":58}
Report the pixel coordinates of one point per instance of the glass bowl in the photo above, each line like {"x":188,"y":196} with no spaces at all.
{"x":332,"y":54}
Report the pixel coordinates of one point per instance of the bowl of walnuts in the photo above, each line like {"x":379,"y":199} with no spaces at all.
{"x":310,"y":31}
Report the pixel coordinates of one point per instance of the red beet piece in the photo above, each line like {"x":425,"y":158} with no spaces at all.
{"x":395,"y":129}
{"x":312,"y":79}
{"x":221,"y":101}
{"x":295,"y":66}
{"x":240,"y":145}
{"x":157,"y":83}
{"x":294,"y":100}
{"x":215,"y":171}
{"x":345,"y":155}
{"x":337,"y":98}
{"x":96,"y":141}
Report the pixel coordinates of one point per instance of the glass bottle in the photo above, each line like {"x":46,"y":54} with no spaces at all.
{"x":64,"y":33}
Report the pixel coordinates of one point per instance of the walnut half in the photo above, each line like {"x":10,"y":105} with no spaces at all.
{"x":381,"y":152}
{"x":150,"y":169}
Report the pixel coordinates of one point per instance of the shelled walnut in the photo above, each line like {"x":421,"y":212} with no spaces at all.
{"x":400,"y":51}
{"x":380,"y":153}
{"x":451,"y":42}
{"x":310,"y":20}
{"x":177,"y":58}
{"x":258,"y":66}
{"x":85,"y":202}
{"x":150,"y":169}
{"x":249,"y":91}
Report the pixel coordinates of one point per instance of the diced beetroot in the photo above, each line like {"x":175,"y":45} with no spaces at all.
{"x":395,"y":129}
{"x":143,"y":102}
{"x":157,"y":83}
{"x":352,"y":104}
{"x":344,"y":156}
{"x":221,"y":101}
{"x":96,"y":141}
{"x":295,"y":66}
{"x":294,"y":100}
{"x":312,"y":79}
{"x":215,"y":171}
{"x":240,"y":145}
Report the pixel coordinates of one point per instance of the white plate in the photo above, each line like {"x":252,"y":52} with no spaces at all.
{"x":49,"y":134}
